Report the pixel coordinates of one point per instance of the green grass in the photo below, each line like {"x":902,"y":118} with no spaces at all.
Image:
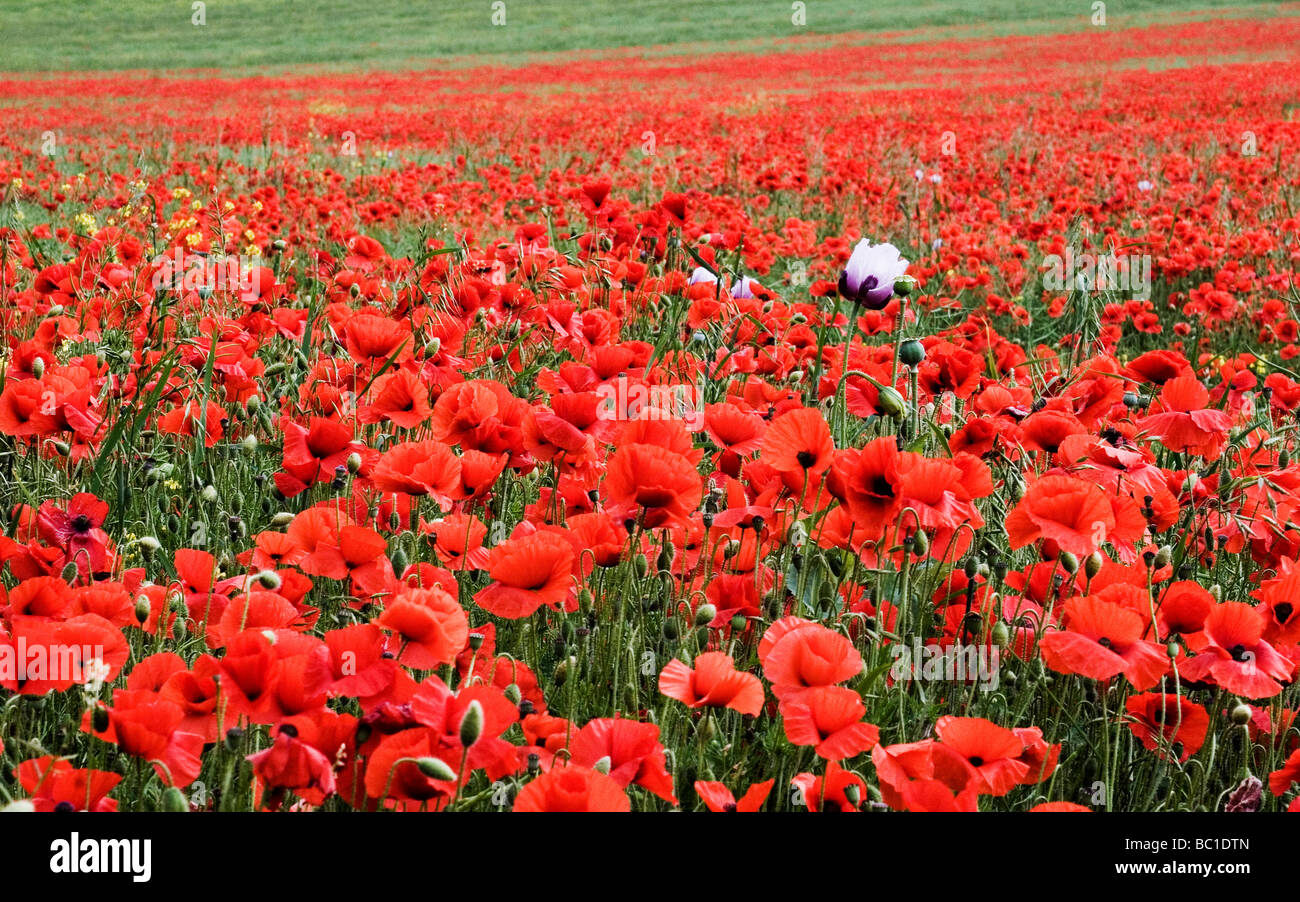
{"x":62,"y":35}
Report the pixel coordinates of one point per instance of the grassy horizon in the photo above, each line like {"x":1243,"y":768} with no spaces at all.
{"x":164,"y":35}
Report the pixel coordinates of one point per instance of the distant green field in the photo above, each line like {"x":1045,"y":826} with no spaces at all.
{"x":58,"y":35}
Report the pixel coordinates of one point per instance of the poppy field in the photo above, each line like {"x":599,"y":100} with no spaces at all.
{"x":854,"y":425}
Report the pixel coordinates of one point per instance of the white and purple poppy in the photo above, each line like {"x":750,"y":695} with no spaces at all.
{"x":701,"y":275}
{"x":869,"y":277}
{"x":743,"y":289}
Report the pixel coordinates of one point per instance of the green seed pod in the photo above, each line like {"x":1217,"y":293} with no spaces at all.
{"x":911,"y":353}
{"x":641,"y":565}
{"x":705,"y":614}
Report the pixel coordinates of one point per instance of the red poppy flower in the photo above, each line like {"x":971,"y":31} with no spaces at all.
{"x":1102,"y":639}
{"x":839,"y":790}
{"x":430,"y":625}
{"x":717,"y":797}
{"x":528,"y":572}
{"x":573,"y":789}
{"x":630,"y":749}
{"x":1161,"y":721}
{"x":659,"y":486}
{"x":1186,"y":422}
{"x":1236,"y":656}
{"x":803,"y":655}
{"x":828,"y":718}
{"x":992,"y":750}
{"x":55,"y":785}
{"x":713,"y":682}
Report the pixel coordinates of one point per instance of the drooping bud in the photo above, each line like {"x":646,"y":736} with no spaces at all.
{"x":174,"y":800}
{"x":705,"y":614}
{"x":435,"y":769}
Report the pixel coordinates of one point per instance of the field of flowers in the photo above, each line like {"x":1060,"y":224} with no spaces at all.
{"x":845,"y":427}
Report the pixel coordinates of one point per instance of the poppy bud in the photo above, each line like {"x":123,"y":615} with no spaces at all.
{"x":1131,"y":400}
{"x":400,"y":561}
{"x":1092,"y":564}
{"x":738,"y":622}
{"x":174,"y":800}
{"x":209,"y":494}
{"x":234,"y":736}
{"x":671,"y":630}
{"x":99,"y":719}
{"x":1172,"y":650}
{"x":435,"y":769}
{"x":1015,"y":488}
{"x":38,"y":368}
{"x":920,"y":543}
{"x":562,"y":671}
{"x":853,"y":793}
{"x":513,"y":694}
{"x":585,"y":600}
{"x":666,"y":555}
{"x":269,"y":579}
{"x":249,"y":443}
{"x":911,"y":353}
{"x":354,"y":463}
{"x":279,"y":245}
{"x":62,"y":447}
{"x":142,"y":608}
{"x":603,"y":765}
{"x":1216,"y":591}
{"x":281,"y":520}
{"x":1240,"y":714}
{"x":472,"y":723}
{"x":704,"y":614}
{"x":1163,"y":556}
{"x":69,"y":573}
{"x":1283,"y":459}
{"x":1069,"y":562}
{"x":1000,"y":634}
{"x":355,"y":290}
{"x":641,"y":565}
{"x":891,"y":403}
{"x":432,"y":347}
